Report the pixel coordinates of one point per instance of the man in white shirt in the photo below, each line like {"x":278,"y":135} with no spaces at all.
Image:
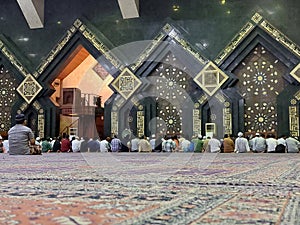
{"x":135,"y":144}
{"x":105,"y":145}
{"x":241,"y":144}
{"x":184,"y":144}
{"x":281,"y":144}
{"x":214,"y":145}
{"x":271,"y":143}
{"x":152,"y":142}
{"x":6,"y":146}
{"x":292,"y":145}
{"x":76,"y":144}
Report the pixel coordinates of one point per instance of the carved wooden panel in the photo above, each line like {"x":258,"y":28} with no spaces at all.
{"x":260,"y":82}
{"x":8,"y":93}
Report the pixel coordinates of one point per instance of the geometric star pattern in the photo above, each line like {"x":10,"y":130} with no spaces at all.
{"x":210,"y":78}
{"x":260,"y":83}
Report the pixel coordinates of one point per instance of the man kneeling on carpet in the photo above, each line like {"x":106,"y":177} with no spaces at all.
{"x":20,"y":136}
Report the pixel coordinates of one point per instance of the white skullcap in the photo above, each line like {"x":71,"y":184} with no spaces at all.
{"x":240,"y":134}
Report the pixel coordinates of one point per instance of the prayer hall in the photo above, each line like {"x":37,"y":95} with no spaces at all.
{"x":168,"y":70}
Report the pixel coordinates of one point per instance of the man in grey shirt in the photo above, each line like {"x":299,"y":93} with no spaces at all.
{"x":292,"y":144}
{"x":19,"y":137}
{"x":259,"y":143}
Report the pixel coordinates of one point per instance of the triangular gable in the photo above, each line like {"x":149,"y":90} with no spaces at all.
{"x":257,"y":21}
{"x":89,"y":35}
{"x":11,"y":57}
{"x":168,"y":31}
{"x":171,"y":36}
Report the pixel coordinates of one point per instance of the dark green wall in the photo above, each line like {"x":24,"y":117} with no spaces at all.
{"x":204,"y":21}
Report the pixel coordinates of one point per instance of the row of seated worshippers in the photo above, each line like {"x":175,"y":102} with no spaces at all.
{"x":74,"y":144}
{"x":20,"y":137}
{"x":256,"y":144}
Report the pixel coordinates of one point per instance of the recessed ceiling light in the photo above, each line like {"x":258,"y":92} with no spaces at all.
{"x":23,"y":39}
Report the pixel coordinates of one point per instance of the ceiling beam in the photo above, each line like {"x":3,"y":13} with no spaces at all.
{"x":33,"y":11}
{"x":129,"y":8}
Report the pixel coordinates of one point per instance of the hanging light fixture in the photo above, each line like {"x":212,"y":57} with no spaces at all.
{"x":176,"y":7}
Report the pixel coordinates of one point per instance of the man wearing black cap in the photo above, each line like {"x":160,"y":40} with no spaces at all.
{"x":19,"y":137}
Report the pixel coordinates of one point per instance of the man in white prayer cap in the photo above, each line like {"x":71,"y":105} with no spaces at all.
{"x":241,"y":144}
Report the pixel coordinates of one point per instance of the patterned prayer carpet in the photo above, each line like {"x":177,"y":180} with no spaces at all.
{"x":150,"y":188}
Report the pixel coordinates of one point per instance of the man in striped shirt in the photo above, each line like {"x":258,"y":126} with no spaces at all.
{"x":116,"y":144}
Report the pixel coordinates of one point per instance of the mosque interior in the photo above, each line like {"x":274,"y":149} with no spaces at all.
{"x":165,"y":67}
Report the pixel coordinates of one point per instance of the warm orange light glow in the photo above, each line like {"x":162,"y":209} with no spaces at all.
{"x":79,"y":73}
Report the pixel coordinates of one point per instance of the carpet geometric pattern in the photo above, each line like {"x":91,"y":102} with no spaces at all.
{"x":150,"y":188}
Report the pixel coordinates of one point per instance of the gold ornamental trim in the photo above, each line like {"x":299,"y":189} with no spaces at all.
{"x":196,"y":121}
{"x":90,"y":36}
{"x":140,"y":123}
{"x":126,"y":83}
{"x":37,"y":105}
{"x":188,"y":47}
{"x":202,"y":99}
{"x":234,"y":42}
{"x":147,"y":52}
{"x":114,"y":122}
{"x":211,"y":78}
{"x":295,"y":73}
{"x":227,"y":120}
{"x":170,"y":31}
{"x":29,"y":88}
{"x":294,"y":115}
{"x":54,"y":52}
{"x":297,"y":95}
{"x":41,"y":125}
{"x":256,"y":18}
{"x":294,"y":121}
{"x":12,"y":59}
{"x":100,"y":46}
{"x":134,"y":100}
{"x":280,"y":37}
{"x":220,"y":97}
{"x":23,"y":107}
